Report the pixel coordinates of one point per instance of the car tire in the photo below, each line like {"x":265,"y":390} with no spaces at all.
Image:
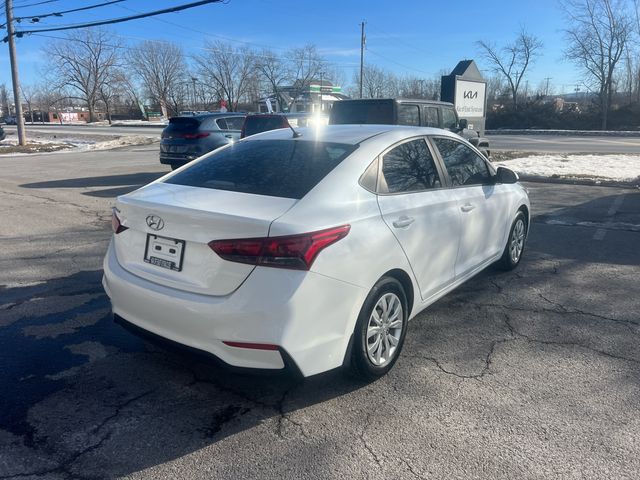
{"x":514,"y":249}
{"x":384,"y":307}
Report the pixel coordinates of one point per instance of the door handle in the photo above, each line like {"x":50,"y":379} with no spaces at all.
{"x":228,"y":135}
{"x":467,"y":207}
{"x":403,"y":222}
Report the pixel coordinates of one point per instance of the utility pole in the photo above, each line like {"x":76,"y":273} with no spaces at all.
{"x":362,"y":42}
{"x":22,"y":137}
{"x":546,"y":90}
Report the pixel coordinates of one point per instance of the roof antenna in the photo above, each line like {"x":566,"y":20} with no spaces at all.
{"x":295,"y":134}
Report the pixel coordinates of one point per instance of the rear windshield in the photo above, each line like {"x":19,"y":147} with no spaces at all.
{"x":362,"y":113}
{"x":255,"y":125}
{"x":277,"y":168}
{"x":183,"y":123}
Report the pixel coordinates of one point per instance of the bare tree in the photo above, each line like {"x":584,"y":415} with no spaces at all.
{"x":512,"y":60}
{"x":375,"y":82}
{"x":84,"y":62}
{"x":161,"y":68}
{"x":29,"y":92}
{"x":274,"y":71}
{"x":598,"y":33}
{"x":228,"y":69}
{"x":306,"y":65}
{"x":4,"y":100}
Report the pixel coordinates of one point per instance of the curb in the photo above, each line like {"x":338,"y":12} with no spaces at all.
{"x":578,"y":181}
{"x":161,"y":125}
{"x":579,"y":133}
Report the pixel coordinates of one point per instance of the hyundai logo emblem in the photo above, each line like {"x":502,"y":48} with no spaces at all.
{"x":154,"y":222}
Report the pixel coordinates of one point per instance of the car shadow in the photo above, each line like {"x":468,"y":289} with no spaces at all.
{"x":76,"y":376}
{"x":122,"y":183}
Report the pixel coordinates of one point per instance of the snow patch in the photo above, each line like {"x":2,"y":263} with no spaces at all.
{"x":617,"y":168}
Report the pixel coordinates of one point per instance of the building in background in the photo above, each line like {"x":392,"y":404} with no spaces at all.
{"x":314,"y":96}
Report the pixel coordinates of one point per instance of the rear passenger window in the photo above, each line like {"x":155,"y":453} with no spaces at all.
{"x":449,"y":119}
{"x":222,"y":123}
{"x":465,"y":167}
{"x":234,"y":123}
{"x":409,"y":167}
{"x":408,"y":115}
{"x":431,"y":119}
{"x":210,"y":123}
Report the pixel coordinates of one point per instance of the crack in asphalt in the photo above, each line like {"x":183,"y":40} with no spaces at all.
{"x":60,"y":250}
{"x":559,"y":310}
{"x":277,"y":407}
{"x":515,"y":334}
{"x":485,"y":370}
{"x":410,"y":467}
{"x":284,"y":416}
{"x":65,"y":466}
{"x":507,"y":321}
{"x":366,"y":445}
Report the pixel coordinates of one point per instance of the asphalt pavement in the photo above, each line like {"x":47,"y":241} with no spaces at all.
{"x":533,"y":373}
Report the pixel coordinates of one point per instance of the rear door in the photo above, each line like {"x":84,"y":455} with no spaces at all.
{"x":423,"y":216}
{"x":483,"y":205}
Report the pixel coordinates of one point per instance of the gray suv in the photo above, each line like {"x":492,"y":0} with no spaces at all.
{"x":186,"y":138}
{"x":401,"y":111}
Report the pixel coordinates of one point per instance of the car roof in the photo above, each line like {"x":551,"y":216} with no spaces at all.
{"x":217,"y":114}
{"x":401,"y":100}
{"x":347,"y":134}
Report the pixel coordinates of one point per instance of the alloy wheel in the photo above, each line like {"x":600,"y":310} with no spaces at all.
{"x":384,"y":329}
{"x":516,"y":245}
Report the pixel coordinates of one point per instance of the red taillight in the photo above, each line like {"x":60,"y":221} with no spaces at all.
{"x":292,"y":251}
{"x":116,"y":226}
{"x":252,"y":346}
{"x":193,"y":136}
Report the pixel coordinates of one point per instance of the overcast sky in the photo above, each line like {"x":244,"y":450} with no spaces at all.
{"x":417,"y":37}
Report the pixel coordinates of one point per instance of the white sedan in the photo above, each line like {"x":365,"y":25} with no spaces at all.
{"x":311,"y":250}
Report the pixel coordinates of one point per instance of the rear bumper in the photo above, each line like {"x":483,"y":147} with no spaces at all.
{"x":310,"y":317}
{"x":176,"y":159}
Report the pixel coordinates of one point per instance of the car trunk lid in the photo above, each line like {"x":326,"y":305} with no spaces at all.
{"x":169,"y":228}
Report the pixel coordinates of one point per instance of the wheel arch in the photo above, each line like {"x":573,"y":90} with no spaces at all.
{"x":405,"y":280}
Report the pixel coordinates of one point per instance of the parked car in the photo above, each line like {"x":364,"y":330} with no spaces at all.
{"x":404,"y":111}
{"x":187,"y":138}
{"x":2,"y":134}
{"x":264,"y":122}
{"x":10,"y":120}
{"x":314,"y":251}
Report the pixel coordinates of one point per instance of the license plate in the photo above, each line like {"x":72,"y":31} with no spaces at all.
{"x":164,"y":252}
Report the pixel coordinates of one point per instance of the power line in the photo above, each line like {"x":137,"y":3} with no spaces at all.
{"x":21,"y":33}
{"x":34,"y":4}
{"x":208,"y":34}
{"x":397,"y":63}
{"x":60,"y":13}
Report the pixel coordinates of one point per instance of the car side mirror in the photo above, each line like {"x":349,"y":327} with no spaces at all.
{"x":506,"y":175}
{"x":463,"y":123}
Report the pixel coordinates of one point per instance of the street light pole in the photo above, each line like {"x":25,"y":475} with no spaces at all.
{"x":22,"y":137}
{"x":362,"y":42}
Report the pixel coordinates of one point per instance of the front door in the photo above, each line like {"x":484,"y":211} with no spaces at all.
{"x":423,"y":216}
{"x":482,"y":204}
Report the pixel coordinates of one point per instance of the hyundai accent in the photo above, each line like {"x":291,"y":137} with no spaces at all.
{"x":311,"y":250}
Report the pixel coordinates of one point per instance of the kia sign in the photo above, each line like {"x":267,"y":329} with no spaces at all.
{"x":469,"y":100}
